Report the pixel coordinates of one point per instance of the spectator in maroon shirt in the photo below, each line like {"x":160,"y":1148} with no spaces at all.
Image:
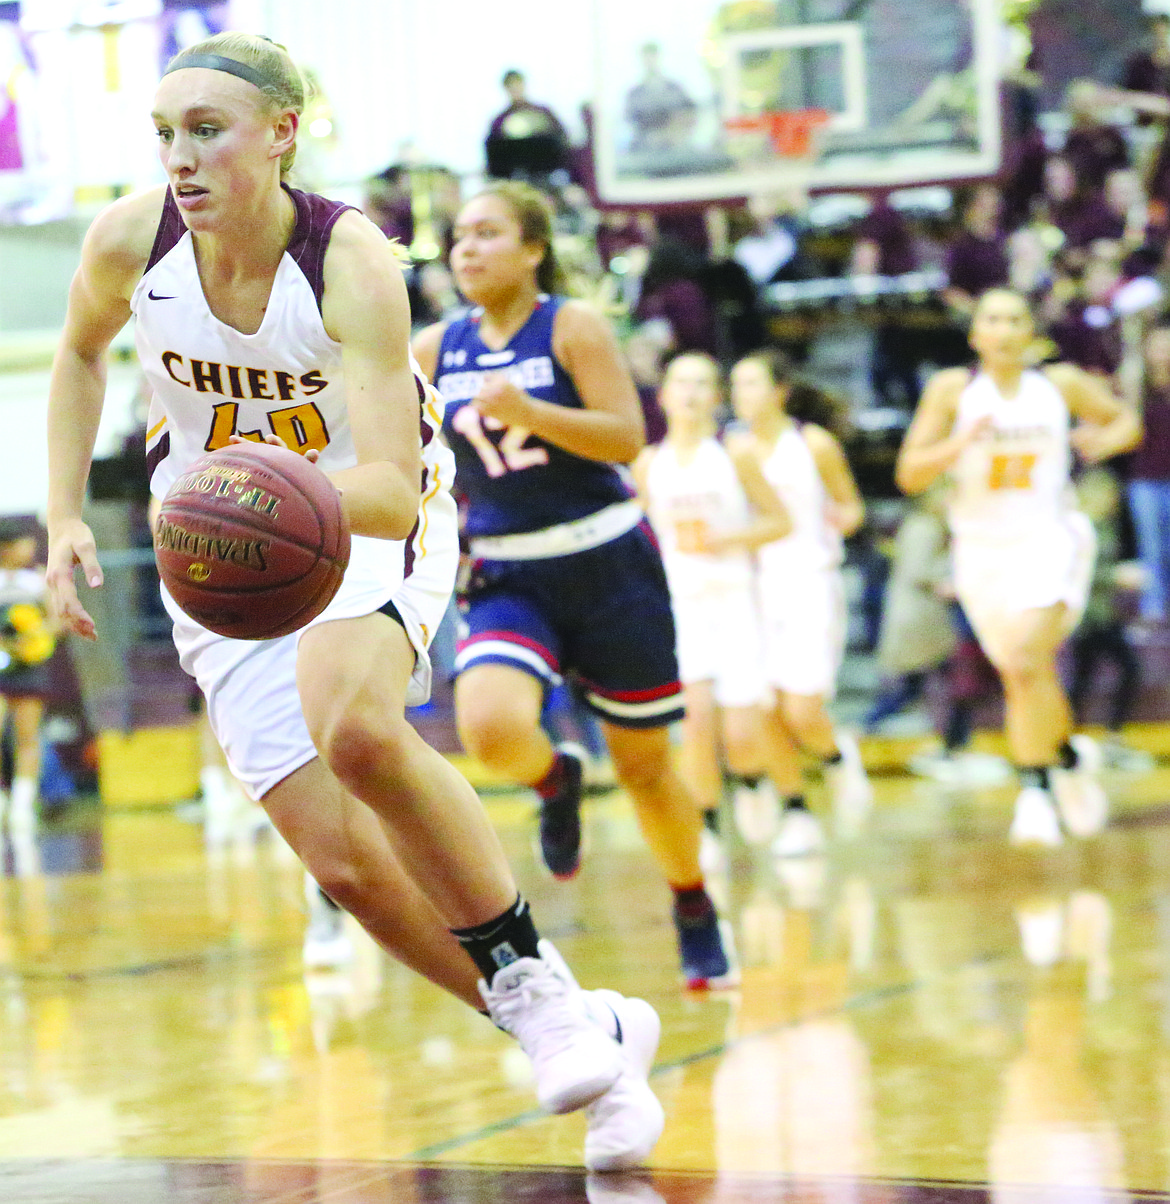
{"x":885,"y":241}
{"x":1093,"y":147}
{"x":1023,"y":178}
{"x":671,"y":295}
{"x":1149,"y":484}
{"x":1149,"y":69}
{"x":1079,"y":213}
{"x":885,"y":247}
{"x":1088,"y":331}
{"x":977,"y":259}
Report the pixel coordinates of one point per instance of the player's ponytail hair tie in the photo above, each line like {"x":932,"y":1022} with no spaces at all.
{"x":219,"y":62}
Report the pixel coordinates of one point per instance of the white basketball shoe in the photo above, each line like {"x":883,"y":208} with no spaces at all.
{"x":626,"y":1122}
{"x":327,"y":945}
{"x":573,"y":1059}
{"x":757,"y":811}
{"x":849,"y":788}
{"x":800,"y":835}
{"x":621,"y":1189}
{"x":1083,"y":803}
{"x":1035,"y":820}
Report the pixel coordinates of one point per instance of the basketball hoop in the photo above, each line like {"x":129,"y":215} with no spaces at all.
{"x":790,"y":132}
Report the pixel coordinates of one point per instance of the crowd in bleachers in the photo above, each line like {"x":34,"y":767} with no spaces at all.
{"x":1077,"y":219}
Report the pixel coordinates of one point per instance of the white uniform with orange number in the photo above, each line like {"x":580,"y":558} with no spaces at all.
{"x":716,"y":620}
{"x":209,"y":381}
{"x":1018,"y":542}
{"x":802,"y":593}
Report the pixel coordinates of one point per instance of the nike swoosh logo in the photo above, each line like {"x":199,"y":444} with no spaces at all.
{"x":155,"y":297}
{"x":619,"y":1036}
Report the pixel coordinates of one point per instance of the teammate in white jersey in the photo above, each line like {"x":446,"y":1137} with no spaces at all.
{"x":266,"y":312}
{"x":1023,"y":555}
{"x":802,"y":596}
{"x":710,"y":512}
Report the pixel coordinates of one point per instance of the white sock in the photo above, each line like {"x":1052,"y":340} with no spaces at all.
{"x":213,"y":781}
{"x":24,"y":793}
{"x":24,"y":797}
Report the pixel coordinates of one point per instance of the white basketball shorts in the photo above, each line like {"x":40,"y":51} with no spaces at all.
{"x":251,"y":686}
{"x":1043,"y":566}
{"x":718,"y":638}
{"x":804,"y":628}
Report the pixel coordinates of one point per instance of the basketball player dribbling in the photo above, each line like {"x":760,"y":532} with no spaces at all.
{"x":802,"y":593}
{"x":267,"y":313}
{"x":566,"y":578}
{"x":1023,"y":556}
{"x":711,"y":512}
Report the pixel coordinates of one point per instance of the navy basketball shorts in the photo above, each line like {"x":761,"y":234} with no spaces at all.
{"x":600,"y":618}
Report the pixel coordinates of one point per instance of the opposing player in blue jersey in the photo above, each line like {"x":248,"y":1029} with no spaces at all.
{"x":566,"y":576}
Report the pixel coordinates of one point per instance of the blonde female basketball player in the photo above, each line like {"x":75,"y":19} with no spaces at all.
{"x":802,"y":595}
{"x":1022,"y":555}
{"x":264,"y":312}
{"x":710,"y":513}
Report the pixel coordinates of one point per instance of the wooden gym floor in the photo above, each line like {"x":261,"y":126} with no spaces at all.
{"x":928,"y":1016}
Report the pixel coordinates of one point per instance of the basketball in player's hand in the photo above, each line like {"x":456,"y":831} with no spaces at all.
{"x":251,"y":541}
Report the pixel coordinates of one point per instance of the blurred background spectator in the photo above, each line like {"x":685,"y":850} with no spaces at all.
{"x":526,"y":141}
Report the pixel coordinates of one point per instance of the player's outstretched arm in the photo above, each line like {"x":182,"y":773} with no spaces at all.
{"x":112,"y":259}
{"x":931,"y":446}
{"x":1106,"y":426}
{"x":365,"y":308}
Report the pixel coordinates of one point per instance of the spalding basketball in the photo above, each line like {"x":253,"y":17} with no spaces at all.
{"x":251,"y":541}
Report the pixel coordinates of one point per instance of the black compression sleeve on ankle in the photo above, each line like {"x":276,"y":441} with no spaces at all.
{"x":1033,"y":775}
{"x":750,"y":780}
{"x":501,"y":941}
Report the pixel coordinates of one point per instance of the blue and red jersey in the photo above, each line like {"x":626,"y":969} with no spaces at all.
{"x":513,"y":480}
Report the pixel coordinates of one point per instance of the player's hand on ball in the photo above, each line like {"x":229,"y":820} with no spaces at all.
{"x":498,"y":398}
{"x":69,"y":546}
{"x":312,"y":455}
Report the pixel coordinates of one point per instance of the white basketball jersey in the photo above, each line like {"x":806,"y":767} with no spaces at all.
{"x":686,"y":501}
{"x":1015,"y":475}
{"x":209,"y":381}
{"x":813,"y":544}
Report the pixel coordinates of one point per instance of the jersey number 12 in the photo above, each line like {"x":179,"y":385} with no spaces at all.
{"x":510,"y":455}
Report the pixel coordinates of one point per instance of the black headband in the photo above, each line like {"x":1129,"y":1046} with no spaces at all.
{"x":217,"y":62}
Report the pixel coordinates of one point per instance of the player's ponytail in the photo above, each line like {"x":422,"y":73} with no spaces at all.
{"x":808,"y":402}
{"x":534,"y":214}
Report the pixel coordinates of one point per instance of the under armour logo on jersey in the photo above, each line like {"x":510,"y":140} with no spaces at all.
{"x":454,"y":359}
